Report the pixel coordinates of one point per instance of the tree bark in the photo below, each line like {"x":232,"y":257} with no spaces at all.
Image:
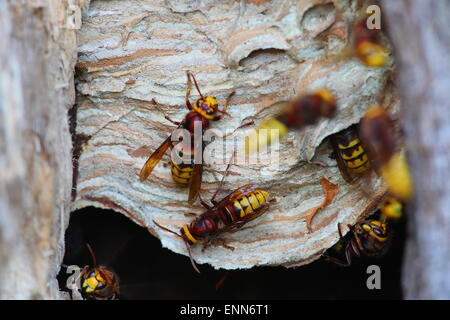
{"x":37,"y":59}
{"x":268,"y":52}
{"x":420,"y":31}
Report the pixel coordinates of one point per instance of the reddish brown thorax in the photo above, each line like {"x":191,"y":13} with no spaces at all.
{"x":193,"y":117}
{"x":203,"y":226}
{"x":199,"y":228}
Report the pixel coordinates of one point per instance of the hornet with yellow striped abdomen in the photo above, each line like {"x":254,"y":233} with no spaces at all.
{"x":241,"y":206}
{"x":370,"y":237}
{"x":201,"y":112}
{"x":350,"y":155}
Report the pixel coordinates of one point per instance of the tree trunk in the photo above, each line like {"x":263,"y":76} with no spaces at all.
{"x":420,"y":31}
{"x":133,"y":51}
{"x":37,"y":59}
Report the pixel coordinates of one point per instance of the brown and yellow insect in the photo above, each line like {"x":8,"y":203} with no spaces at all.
{"x":367,"y":44}
{"x":98,"y":282}
{"x":391,"y":209}
{"x":201,"y":112}
{"x":299,"y":113}
{"x":351,"y":156}
{"x":379,"y":135}
{"x":370,"y":237}
{"x":238,"y":208}
{"x":235,"y":210}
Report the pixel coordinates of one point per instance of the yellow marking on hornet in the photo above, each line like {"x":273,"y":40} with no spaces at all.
{"x":248,"y":210}
{"x":180,"y":180}
{"x":188,"y":234}
{"x":392,"y":209}
{"x":245,"y":205}
{"x":91,"y":283}
{"x":351,"y":144}
{"x":265,"y":195}
{"x":368,"y":229}
{"x":261,"y":196}
{"x":181,"y":176}
{"x":354,"y":164}
{"x":274,"y":124}
{"x":85,"y":283}
{"x":89,"y":289}
{"x":254,"y":201}
{"x":398,"y":177}
{"x":361,"y":169}
{"x":244,"y":202}
{"x":99,"y":277}
{"x":372,"y":54}
{"x":185,"y":174}
{"x":355,"y":154}
{"x":211,"y":101}
{"x":237,"y":205}
{"x":262,"y":137}
{"x":203,"y":113}
{"x":326,"y":95}
{"x":174,"y":165}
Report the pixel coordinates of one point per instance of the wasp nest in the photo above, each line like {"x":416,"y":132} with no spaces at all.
{"x":268,"y":52}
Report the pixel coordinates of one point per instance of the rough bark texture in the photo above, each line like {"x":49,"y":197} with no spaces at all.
{"x":37,"y":59}
{"x":420,"y":31}
{"x":268,"y":52}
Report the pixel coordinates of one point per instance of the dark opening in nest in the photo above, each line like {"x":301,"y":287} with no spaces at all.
{"x":148,"y":271}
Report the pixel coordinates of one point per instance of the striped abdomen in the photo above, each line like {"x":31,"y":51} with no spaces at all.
{"x":182,"y":173}
{"x":352,"y":152}
{"x":243,"y":206}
